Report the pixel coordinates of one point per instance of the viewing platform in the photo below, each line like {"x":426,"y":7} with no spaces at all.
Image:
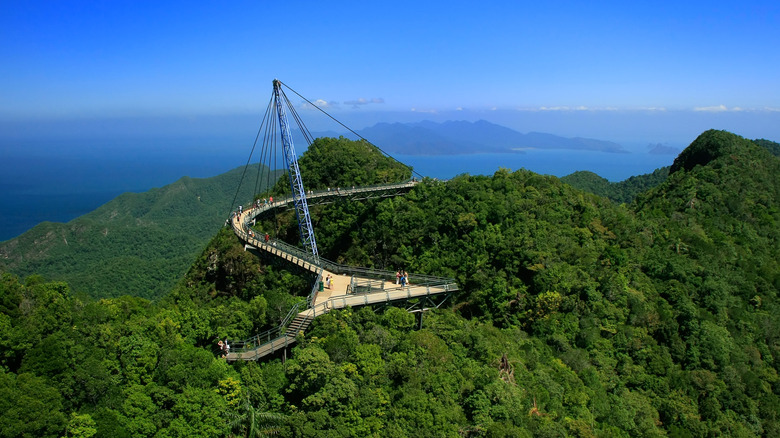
{"x":350,"y":286}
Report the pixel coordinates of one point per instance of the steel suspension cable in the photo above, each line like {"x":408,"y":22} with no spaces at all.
{"x":349,"y":129}
{"x":270,"y":141}
{"x":301,"y":126}
{"x":248,"y":161}
{"x":261,"y":161}
{"x":269,"y":144}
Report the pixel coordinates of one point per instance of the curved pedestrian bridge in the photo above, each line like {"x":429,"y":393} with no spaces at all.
{"x":350,"y":286}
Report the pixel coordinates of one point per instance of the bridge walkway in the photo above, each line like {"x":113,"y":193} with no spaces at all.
{"x":285,"y":335}
{"x":351,"y":286}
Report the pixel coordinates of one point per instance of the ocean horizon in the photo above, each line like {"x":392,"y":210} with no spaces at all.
{"x":63,"y":185}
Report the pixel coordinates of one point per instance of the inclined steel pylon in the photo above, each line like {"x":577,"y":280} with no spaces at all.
{"x":296,"y":183}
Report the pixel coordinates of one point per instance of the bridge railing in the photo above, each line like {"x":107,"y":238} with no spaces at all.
{"x":370,"y":281}
{"x":330,"y":265}
{"x":333,"y":192}
{"x":283,"y":247}
{"x":241,"y":226}
{"x":268,"y":335}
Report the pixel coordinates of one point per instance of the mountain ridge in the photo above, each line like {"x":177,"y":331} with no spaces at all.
{"x":463,"y":137}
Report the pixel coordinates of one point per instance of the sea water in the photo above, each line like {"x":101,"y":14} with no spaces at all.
{"x":69,"y":182}
{"x":612,"y":166}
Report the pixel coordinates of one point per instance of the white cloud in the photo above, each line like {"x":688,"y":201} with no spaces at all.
{"x":363,"y":101}
{"x":735,"y":109}
{"x":566,"y":108}
{"x":320,"y":103}
{"x":588,"y":108}
{"x":712,"y":109}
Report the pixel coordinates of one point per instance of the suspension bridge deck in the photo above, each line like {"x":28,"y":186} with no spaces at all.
{"x":264,"y":344}
{"x":351,"y":287}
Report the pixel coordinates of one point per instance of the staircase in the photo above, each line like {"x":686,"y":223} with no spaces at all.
{"x":299,"y":324}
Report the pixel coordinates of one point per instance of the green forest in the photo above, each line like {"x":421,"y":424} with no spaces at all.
{"x":138,"y":244}
{"x":647,"y":311}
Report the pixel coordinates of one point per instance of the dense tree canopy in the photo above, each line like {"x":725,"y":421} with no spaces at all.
{"x":340,"y":162}
{"x":578,"y":316}
{"x":620,"y":192}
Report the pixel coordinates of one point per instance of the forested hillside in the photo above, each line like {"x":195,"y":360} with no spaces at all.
{"x":138,"y":244}
{"x":620,"y":192}
{"x":627,"y":190}
{"x":578,"y":316}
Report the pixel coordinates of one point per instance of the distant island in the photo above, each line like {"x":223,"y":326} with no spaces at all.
{"x":462,"y":137}
{"x":661,"y":149}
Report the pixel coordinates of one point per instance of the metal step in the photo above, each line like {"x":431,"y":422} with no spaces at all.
{"x":299,"y":324}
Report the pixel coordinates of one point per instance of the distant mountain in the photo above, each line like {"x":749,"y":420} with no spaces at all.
{"x":461,"y":137}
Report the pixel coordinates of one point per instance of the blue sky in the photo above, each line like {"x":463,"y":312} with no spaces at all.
{"x":93,"y":92}
{"x":98,"y":59}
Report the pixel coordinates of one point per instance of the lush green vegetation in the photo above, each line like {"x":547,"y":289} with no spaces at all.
{"x":138,"y":244}
{"x":578,"y":316}
{"x":772,"y":146}
{"x":620,"y":192}
{"x":340,"y":162}
{"x":627,"y":190}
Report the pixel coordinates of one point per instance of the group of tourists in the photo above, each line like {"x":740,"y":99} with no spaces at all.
{"x":264,"y":202}
{"x":257,"y":204}
{"x":329,"y":282}
{"x":237,"y":214}
{"x":224,"y":347}
{"x":401,"y":277}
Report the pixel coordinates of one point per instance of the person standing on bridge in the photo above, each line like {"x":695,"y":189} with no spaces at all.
{"x":271,"y":199}
{"x":397,"y":277}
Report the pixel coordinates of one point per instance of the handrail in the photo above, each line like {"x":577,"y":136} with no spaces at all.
{"x":329,"y":193}
{"x":337,"y":302}
{"x":322,"y":262}
{"x":269,"y":335}
{"x":336,"y":268}
{"x":371,"y":278}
